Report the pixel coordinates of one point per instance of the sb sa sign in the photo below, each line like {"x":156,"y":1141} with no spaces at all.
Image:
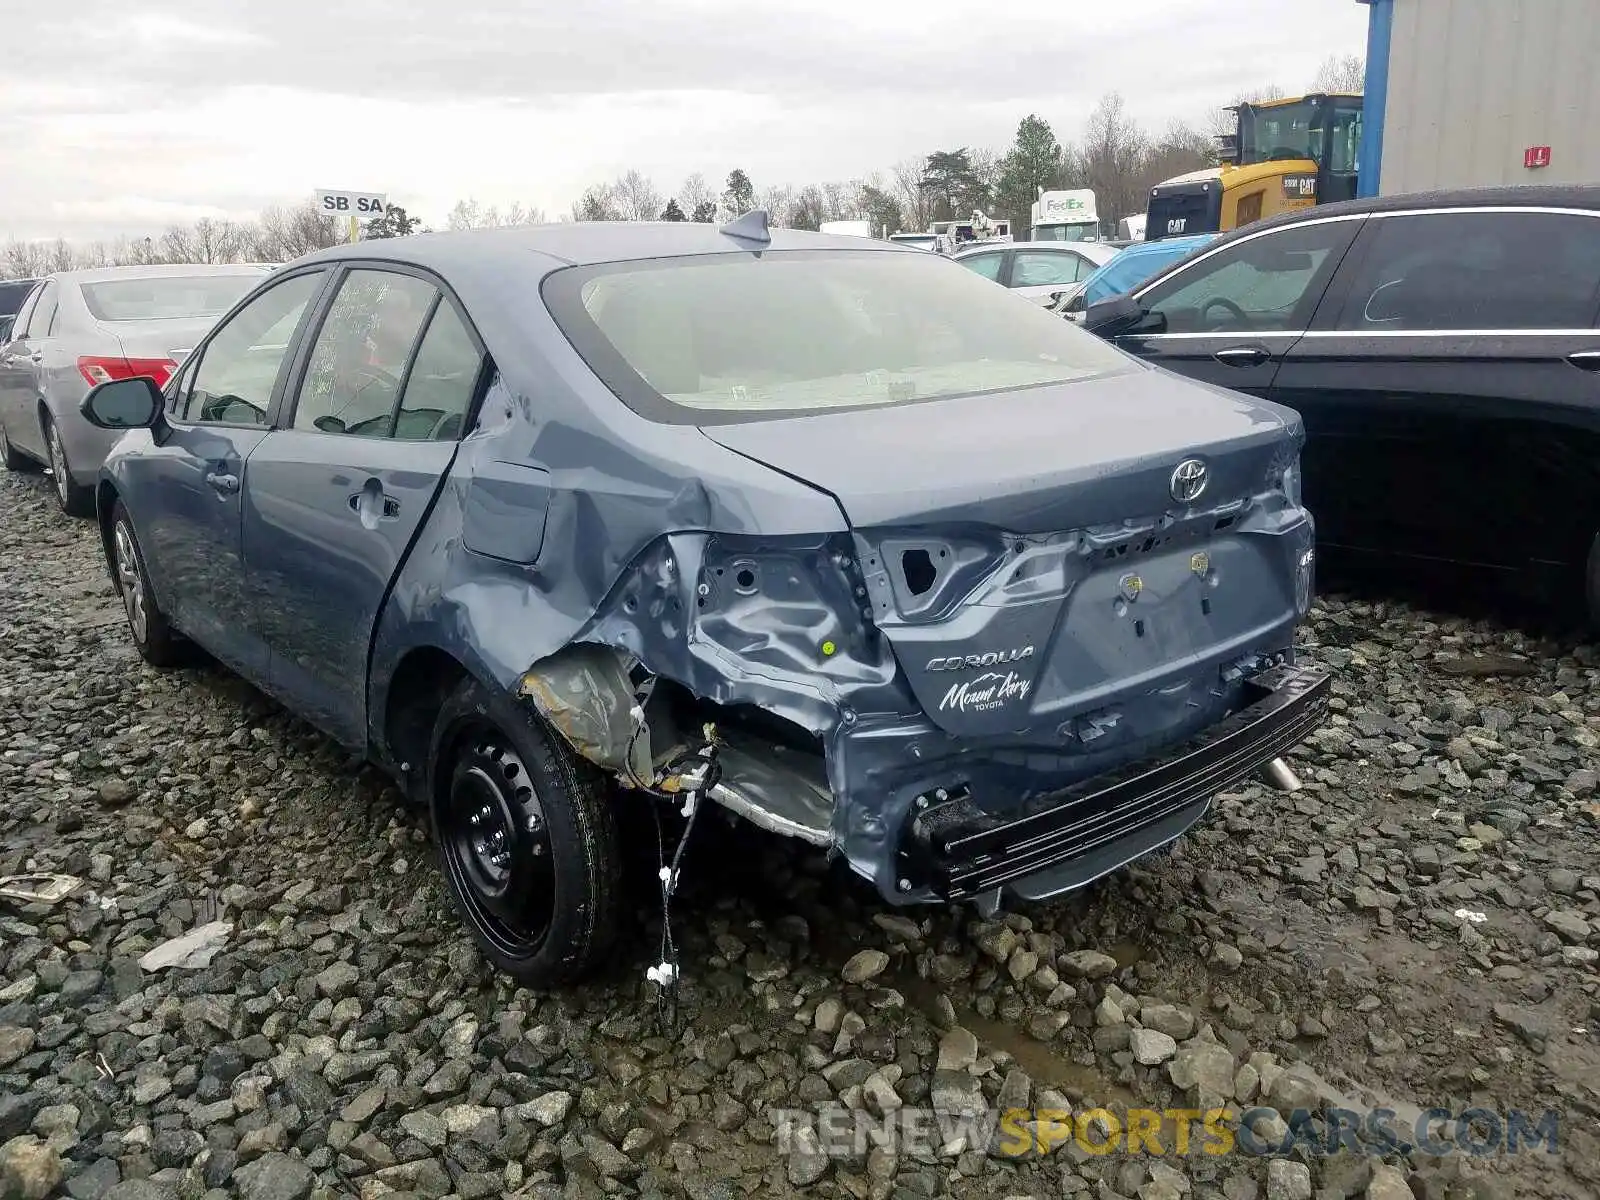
{"x":364,"y":206}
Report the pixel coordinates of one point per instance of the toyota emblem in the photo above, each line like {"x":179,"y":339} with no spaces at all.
{"x":1188,"y":480}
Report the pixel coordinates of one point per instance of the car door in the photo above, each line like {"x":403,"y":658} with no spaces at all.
{"x":1450,"y":389}
{"x":185,"y":493}
{"x":1040,"y":274}
{"x":336,"y":493}
{"x":23,"y":362}
{"x":1229,"y":316}
{"x":18,"y":397}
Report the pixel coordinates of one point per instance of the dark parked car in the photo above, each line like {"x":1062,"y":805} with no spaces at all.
{"x":12,"y":293}
{"x":1444,"y":352}
{"x":846,"y":540}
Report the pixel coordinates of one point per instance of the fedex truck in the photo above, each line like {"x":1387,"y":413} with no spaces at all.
{"x":1065,"y":216}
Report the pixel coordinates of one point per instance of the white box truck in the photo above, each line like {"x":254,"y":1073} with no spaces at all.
{"x":1065,"y":216}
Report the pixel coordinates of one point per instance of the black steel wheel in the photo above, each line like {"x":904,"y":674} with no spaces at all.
{"x":526,"y":840}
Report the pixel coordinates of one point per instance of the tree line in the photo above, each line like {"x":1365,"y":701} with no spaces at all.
{"x":1115,"y":156}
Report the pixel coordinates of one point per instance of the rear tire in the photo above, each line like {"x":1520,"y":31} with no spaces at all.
{"x":75,"y":501}
{"x":14,"y":459}
{"x":1591,"y":580}
{"x":526,"y":837}
{"x":153,"y":636}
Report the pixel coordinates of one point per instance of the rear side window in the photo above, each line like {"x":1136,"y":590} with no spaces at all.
{"x":1036,"y":269}
{"x":1476,"y":270}
{"x":987,"y":265}
{"x":44,"y":312}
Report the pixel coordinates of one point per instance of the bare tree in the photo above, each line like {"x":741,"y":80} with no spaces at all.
{"x":62,"y":256}
{"x":286,"y":233}
{"x":698,"y":199}
{"x":469,"y":214}
{"x":26,"y":260}
{"x":779,"y":203}
{"x":843,"y":201}
{"x":1223,"y":123}
{"x":637,"y":198}
{"x":1115,"y":151}
{"x":916,"y":205}
{"x":809,"y":208}
{"x":206,"y":241}
{"x":1341,"y":73}
{"x":598,"y":203}
{"x":1178,"y":151}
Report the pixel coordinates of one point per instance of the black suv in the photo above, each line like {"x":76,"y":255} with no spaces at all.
{"x":1443,"y":349}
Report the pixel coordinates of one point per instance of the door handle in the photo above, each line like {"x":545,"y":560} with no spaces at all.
{"x":367,"y":503}
{"x":1585,"y":360}
{"x":1242,"y":356}
{"x":224,"y":483}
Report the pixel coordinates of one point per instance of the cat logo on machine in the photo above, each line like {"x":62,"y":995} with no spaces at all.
{"x":962,"y":662}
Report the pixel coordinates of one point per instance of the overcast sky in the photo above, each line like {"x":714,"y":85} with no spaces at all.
{"x":126,"y":118}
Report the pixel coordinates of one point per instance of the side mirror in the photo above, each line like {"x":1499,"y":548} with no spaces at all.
{"x":1077,"y":304}
{"x":123,"y":404}
{"x":1119,"y":315}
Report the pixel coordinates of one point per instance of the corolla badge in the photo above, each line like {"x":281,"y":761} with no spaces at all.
{"x":993,"y":658}
{"x":985,"y":693}
{"x":1188,"y":480}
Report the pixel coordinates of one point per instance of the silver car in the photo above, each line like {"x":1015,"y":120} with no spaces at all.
{"x":1045,"y":272}
{"x":80,"y":328}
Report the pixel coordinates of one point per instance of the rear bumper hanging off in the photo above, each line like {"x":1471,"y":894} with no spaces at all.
{"x":959,"y":851}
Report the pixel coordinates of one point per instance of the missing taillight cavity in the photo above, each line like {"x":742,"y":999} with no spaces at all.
{"x":919,"y":571}
{"x":97,"y":369}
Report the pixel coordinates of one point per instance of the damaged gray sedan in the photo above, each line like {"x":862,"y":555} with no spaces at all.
{"x":831,"y":533}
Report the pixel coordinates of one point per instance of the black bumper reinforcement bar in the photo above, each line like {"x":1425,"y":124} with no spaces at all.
{"x":961,"y":851}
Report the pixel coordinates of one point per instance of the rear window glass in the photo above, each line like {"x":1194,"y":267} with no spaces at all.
{"x":729,"y":337}
{"x":162,"y":297}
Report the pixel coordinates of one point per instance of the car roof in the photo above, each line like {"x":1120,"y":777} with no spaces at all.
{"x":581,"y":243}
{"x":1527,"y":195}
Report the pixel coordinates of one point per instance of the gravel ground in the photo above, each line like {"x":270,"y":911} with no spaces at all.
{"x":1418,"y":927}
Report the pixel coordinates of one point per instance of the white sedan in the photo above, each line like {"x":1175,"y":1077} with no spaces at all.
{"x":1041,"y":271}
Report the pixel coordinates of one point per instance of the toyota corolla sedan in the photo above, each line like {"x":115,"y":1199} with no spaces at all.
{"x":80,"y":328}
{"x":808,"y":527}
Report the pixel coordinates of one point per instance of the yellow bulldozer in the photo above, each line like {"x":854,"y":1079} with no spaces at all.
{"x":1283,"y":155}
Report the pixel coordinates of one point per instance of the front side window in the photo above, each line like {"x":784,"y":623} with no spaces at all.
{"x":1033,"y":269}
{"x":1266,"y":284}
{"x":741,"y":337}
{"x":239,"y":365}
{"x":352,"y":382}
{"x":1476,"y":270}
{"x":19,"y":327}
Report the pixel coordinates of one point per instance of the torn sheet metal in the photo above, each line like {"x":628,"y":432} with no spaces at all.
{"x":38,"y":888}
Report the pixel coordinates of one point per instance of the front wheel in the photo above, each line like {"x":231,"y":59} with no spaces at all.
{"x":75,"y":501}
{"x":526,"y":838}
{"x":153,"y":636}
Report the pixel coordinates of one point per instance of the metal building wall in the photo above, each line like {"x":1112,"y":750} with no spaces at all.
{"x":1472,"y":84}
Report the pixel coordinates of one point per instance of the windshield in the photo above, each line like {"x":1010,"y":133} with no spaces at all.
{"x":1067,"y":233}
{"x":158,"y":297}
{"x":726,"y":337}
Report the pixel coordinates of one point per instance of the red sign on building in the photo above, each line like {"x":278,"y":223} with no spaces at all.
{"x":1536,"y":156}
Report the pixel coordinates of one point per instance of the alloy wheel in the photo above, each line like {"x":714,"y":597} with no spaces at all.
{"x":131,"y":582}
{"x":496,"y":843}
{"x":58,"y":465}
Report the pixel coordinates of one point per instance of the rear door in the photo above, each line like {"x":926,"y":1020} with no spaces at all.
{"x":1451,"y":389}
{"x":1229,"y":316}
{"x":336,"y":493}
{"x":185,"y":492}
